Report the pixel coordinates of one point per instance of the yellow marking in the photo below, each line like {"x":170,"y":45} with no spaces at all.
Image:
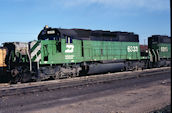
{"x":3,"y":53}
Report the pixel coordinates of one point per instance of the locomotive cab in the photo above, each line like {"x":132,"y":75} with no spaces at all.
{"x":49,"y":34}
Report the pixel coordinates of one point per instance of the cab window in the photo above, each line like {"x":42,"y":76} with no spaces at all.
{"x":68,"y":40}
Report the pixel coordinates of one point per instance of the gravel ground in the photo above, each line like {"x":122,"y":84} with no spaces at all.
{"x":141,"y":95}
{"x":166,"y":109}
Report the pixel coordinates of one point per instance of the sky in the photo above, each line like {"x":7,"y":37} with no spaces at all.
{"x":22,"y":20}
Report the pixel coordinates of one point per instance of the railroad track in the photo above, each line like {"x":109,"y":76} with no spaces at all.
{"x":24,"y":88}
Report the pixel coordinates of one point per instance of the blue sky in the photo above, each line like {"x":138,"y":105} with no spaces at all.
{"x":22,"y":20}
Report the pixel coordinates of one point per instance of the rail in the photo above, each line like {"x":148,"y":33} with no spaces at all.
{"x":24,"y":88}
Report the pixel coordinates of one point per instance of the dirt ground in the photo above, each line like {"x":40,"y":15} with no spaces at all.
{"x":141,"y":100}
{"x":137,"y":95}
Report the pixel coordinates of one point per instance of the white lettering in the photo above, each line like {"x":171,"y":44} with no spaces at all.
{"x":132,"y":48}
{"x":69,"y":48}
{"x":69,"y":56}
{"x":164,"y":49}
{"x":51,"y":32}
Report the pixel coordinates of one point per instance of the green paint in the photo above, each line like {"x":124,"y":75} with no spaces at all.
{"x":92,"y":51}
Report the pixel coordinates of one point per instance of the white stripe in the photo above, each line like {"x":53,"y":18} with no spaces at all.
{"x":38,"y":58}
{"x":32,"y":44}
{"x":36,"y":50}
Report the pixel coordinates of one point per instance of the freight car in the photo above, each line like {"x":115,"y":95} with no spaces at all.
{"x":3,"y":74}
{"x":2,"y":57}
{"x":60,"y":53}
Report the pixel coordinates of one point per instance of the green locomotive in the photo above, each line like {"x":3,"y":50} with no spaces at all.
{"x":160,"y":50}
{"x":61,"y":53}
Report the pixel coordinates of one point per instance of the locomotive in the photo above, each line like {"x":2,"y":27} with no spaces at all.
{"x":61,"y":53}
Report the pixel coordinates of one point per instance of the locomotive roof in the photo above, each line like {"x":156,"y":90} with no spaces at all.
{"x":159,"y":38}
{"x":86,"y":34}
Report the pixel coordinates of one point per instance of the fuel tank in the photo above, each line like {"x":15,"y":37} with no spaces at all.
{"x":105,"y":68}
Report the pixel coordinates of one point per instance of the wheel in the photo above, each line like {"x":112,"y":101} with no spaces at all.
{"x":26,"y":77}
